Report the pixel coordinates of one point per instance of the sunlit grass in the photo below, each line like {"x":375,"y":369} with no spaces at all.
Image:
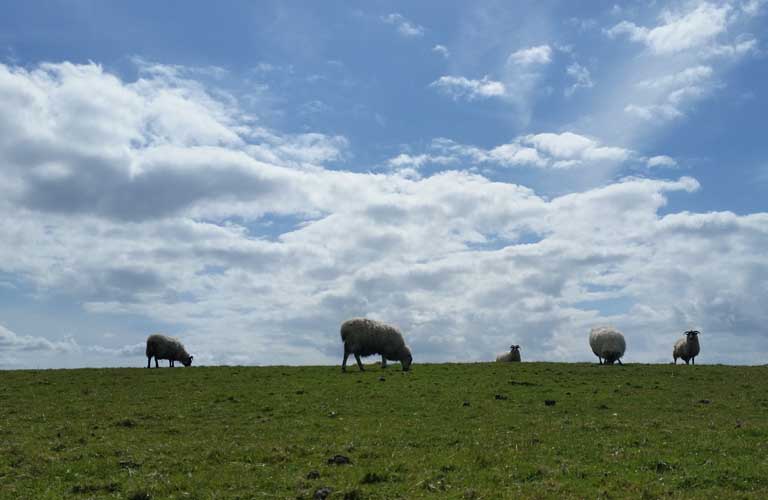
{"x":448,"y":430}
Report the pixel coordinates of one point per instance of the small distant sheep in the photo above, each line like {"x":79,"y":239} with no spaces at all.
{"x":687,"y":348}
{"x":608,"y":344}
{"x":164,"y":347}
{"x":510,"y":357}
{"x":365,"y":337}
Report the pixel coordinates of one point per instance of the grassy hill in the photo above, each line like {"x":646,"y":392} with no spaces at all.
{"x":441,"y":431}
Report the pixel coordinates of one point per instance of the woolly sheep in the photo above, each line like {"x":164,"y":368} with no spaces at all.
{"x":164,"y":347}
{"x":365,"y":337}
{"x":687,"y":348}
{"x":608,"y":344}
{"x":510,"y":357}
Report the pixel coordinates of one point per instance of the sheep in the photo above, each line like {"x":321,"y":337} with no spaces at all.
{"x":510,"y":357}
{"x":687,"y":348}
{"x":364,"y":337}
{"x":608,"y":344}
{"x":164,"y":347}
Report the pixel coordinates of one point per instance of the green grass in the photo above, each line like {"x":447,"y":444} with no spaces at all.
{"x":441,"y":431}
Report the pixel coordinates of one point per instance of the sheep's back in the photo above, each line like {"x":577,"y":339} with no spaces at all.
{"x":367,"y":337}
{"x":606,"y":340}
{"x":164,"y":347}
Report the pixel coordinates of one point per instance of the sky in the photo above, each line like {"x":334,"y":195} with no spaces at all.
{"x":248,"y":176}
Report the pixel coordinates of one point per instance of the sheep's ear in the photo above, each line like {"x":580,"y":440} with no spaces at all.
{"x":190,"y":358}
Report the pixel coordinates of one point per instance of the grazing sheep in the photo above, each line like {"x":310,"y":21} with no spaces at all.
{"x":510,"y":357}
{"x":608,"y":344}
{"x":687,"y":348}
{"x":164,"y":347}
{"x":365,"y":337}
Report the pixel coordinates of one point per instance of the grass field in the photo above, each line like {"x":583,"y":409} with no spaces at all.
{"x":441,"y":431}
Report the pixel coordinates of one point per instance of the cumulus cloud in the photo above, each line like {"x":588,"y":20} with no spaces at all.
{"x":77,"y":139}
{"x":417,"y":161}
{"x":667,"y":96}
{"x":522,"y":77}
{"x":257,"y":259}
{"x":541,"y":54}
{"x":12,"y":342}
{"x":545,"y":150}
{"x":678,"y":31}
{"x":405,"y":27}
{"x":686,"y":78}
{"x":459,"y":87}
{"x":752,"y":7}
{"x":442,"y":50}
{"x":661,"y":161}
{"x":581,"y":78}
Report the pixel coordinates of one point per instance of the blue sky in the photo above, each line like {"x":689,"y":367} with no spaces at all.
{"x":247,"y":177}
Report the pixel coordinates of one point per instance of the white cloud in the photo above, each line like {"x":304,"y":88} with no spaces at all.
{"x":685,"y":78}
{"x":405,"y":27}
{"x":442,"y":50}
{"x":667,"y":96}
{"x":733,"y":50}
{"x":545,"y":150}
{"x":571,"y":146}
{"x":459,"y":87}
{"x":541,"y":54}
{"x":251,"y":260}
{"x":417,"y":161}
{"x":663,"y":112}
{"x":679,"y":31}
{"x":74,"y":136}
{"x":523,"y":78}
{"x":12,"y":342}
{"x":661,"y":161}
{"x":581,"y":76}
{"x":752,"y":7}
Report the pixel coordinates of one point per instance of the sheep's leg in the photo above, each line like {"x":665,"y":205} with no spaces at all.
{"x":675,"y":360}
{"x":157,"y":365}
{"x":600,"y":360}
{"x":149,"y":360}
{"x":383,"y":361}
{"x":622,"y":364}
{"x":687,"y":362}
{"x":359,"y":363}
{"x":693,"y":361}
{"x":344,"y":363}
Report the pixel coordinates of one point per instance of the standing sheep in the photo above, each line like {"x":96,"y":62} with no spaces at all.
{"x":510,"y":357}
{"x":365,"y":337}
{"x":608,"y":344}
{"x":164,"y":347}
{"x":688,"y":347}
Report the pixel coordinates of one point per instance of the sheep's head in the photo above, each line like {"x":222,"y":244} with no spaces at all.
{"x":406,"y":358}
{"x":692,"y":334}
{"x":187,"y":361}
{"x":514,"y":348}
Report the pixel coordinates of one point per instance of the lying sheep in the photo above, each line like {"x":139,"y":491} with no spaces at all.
{"x":365,"y":337}
{"x":608,"y":344}
{"x":164,"y":347}
{"x":688,"y":347}
{"x":510,"y":357}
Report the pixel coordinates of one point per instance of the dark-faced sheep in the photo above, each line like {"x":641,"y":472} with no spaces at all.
{"x":608,"y":344}
{"x":510,"y":357}
{"x":366,"y":337}
{"x":164,"y":347}
{"x":687,"y":348}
